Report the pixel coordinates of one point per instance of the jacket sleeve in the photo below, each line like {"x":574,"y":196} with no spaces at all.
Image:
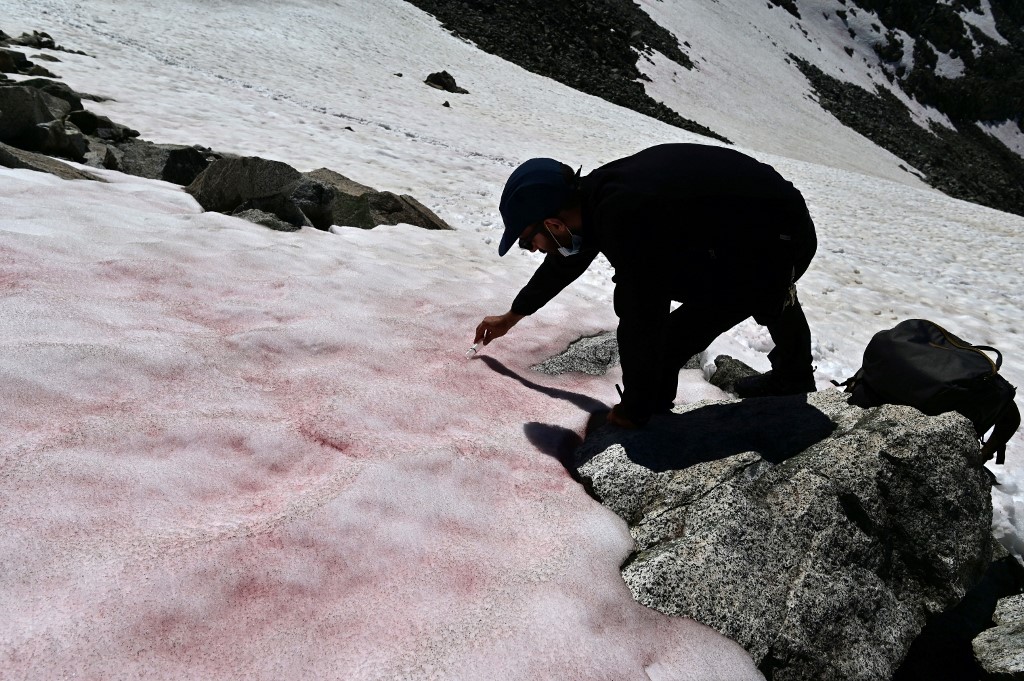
{"x":553,"y":275}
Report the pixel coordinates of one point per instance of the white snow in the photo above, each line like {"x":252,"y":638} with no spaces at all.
{"x":947,"y":66}
{"x":1007,"y":132}
{"x":229,"y":452}
{"x":985,"y":22}
{"x":745,"y":87}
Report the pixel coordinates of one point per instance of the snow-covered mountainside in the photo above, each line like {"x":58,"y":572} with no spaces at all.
{"x":937,"y":84}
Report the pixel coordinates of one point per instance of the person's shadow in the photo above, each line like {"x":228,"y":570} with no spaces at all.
{"x":776,"y":428}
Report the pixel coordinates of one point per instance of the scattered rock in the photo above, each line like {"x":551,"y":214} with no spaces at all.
{"x":228,"y":183}
{"x":442,"y":80}
{"x":728,"y":371}
{"x":355,"y":205}
{"x":593,"y":47}
{"x":12,"y":61}
{"x":175,"y":163}
{"x":40,"y":71}
{"x":593,"y":355}
{"x":270,"y":220}
{"x":46,"y":57}
{"x":1000,"y":650}
{"x":101,"y":127}
{"x":55,"y":89}
{"x":818,"y":535}
{"x":446,"y":104}
{"x":965,"y":163}
{"x":12,"y":157}
{"x":23,"y":110}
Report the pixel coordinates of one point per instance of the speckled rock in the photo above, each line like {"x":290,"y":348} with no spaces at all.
{"x":818,"y":535}
{"x":265,"y":219}
{"x":12,"y":157}
{"x":729,"y":370}
{"x":593,"y":355}
{"x":1000,"y":650}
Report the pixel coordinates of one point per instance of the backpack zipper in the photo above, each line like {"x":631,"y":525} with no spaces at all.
{"x":962,"y":346}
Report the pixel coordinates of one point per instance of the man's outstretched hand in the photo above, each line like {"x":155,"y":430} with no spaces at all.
{"x":495,"y":327}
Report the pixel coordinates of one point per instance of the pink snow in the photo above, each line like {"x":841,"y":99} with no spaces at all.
{"x":227,"y":452}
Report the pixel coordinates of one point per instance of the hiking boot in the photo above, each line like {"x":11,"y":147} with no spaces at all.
{"x":768,"y":384}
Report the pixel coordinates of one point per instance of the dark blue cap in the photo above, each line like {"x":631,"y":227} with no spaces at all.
{"x":535,"y":190}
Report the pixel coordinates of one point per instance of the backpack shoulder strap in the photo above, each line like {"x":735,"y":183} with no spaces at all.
{"x":851,"y":382}
{"x":1006,"y":425}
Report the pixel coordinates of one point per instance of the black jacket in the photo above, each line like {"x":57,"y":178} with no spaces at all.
{"x":680,"y":222}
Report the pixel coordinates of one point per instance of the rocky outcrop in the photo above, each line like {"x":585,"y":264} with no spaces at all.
{"x":12,"y":61}
{"x":352,"y":204}
{"x":33,"y":120}
{"x":818,"y":535}
{"x":48,"y":117}
{"x":249,"y":182}
{"x":593,"y":355}
{"x":259,"y":217}
{"x":12,"y":157}
{"x":22,"y":109}
{"x":56,"y":89}
{"x":174,"y":163}
{"x":320,"y":198}
{"x":1000,"y":650}
{"x":37,"y":40}
{"x":596,"y":354}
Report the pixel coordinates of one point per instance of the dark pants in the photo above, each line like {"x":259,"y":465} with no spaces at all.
{"x":692,"y":328}
{"x":763,"y":287}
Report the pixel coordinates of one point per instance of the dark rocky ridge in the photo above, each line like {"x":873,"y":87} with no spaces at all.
{"x":588,"y":46}
{"x":593,"y":47}
{"x":992,"y":85}
{"x":966,"y":164}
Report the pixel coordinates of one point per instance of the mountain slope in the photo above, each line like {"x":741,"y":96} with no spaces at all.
{"x":937,"y":85}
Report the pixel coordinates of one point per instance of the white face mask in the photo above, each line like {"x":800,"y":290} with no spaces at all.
{"x":577,"y":242}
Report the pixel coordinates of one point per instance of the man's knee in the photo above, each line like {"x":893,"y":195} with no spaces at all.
{"x":771,"y":310}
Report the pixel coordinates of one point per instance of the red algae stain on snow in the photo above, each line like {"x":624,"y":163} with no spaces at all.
{"x":351,"y":500}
